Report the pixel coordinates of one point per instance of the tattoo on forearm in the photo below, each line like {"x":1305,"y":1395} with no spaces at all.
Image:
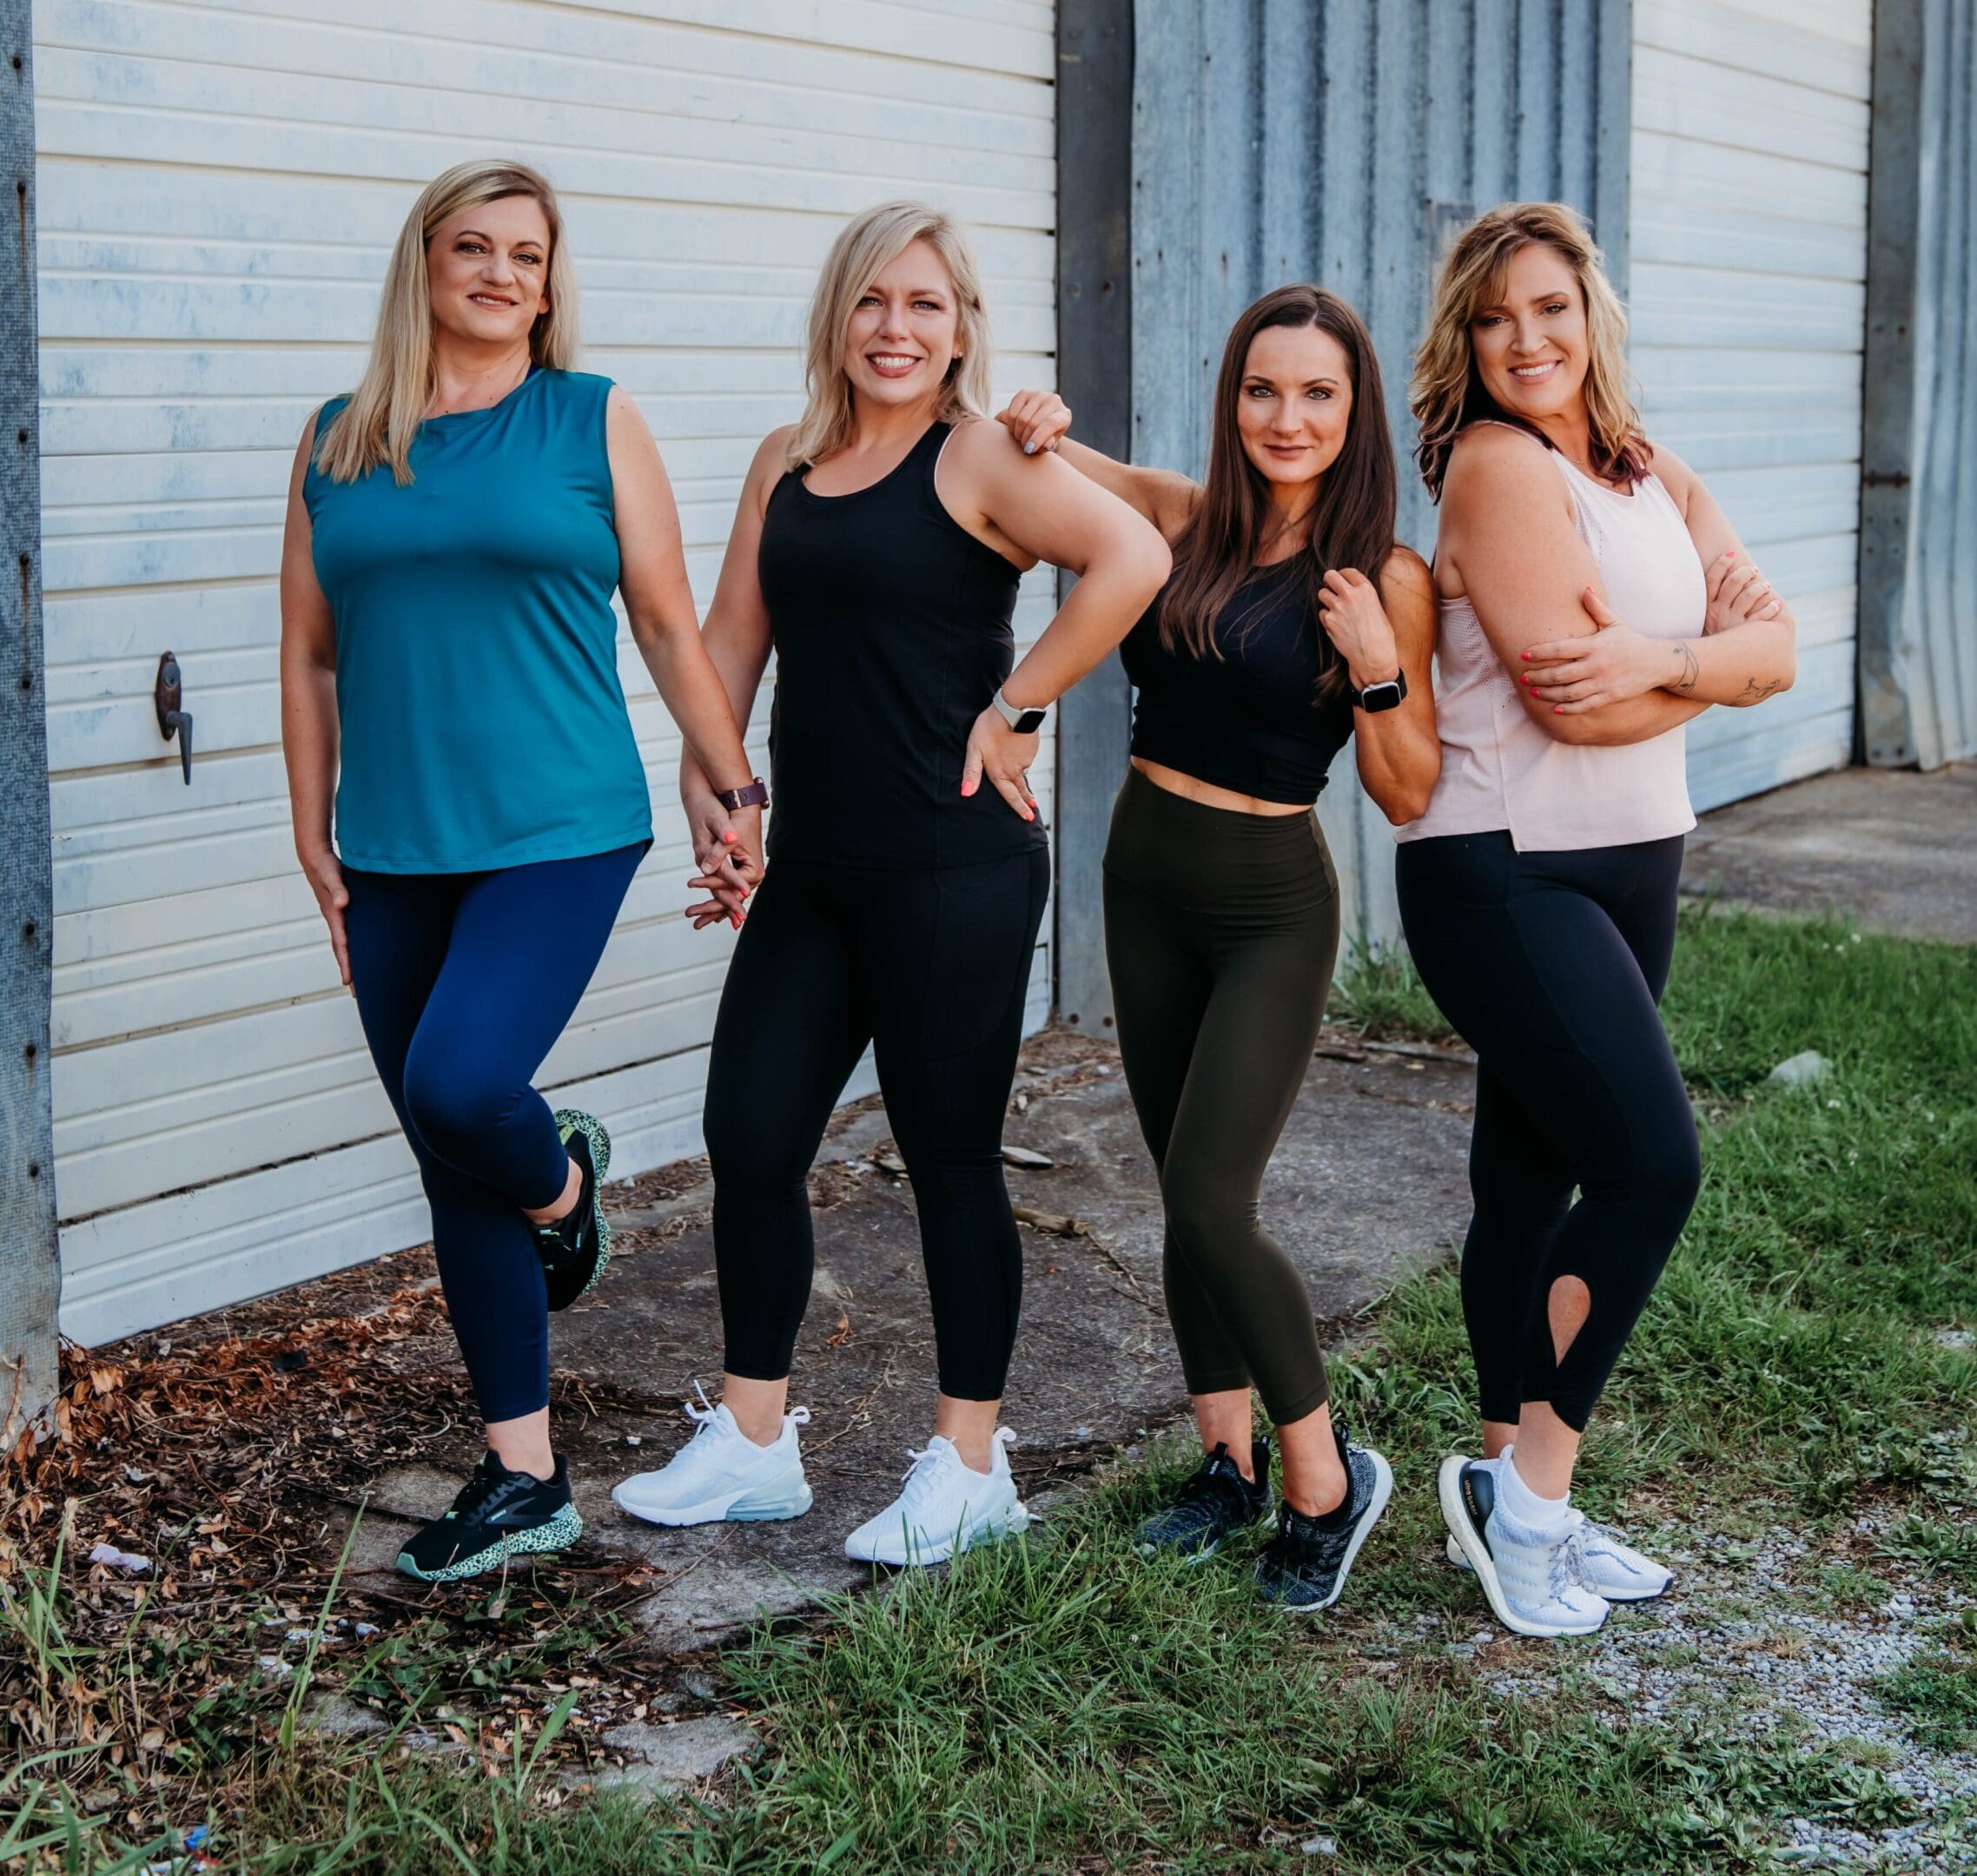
{"x":1754,"y":692}
{"x":1690,"y":670}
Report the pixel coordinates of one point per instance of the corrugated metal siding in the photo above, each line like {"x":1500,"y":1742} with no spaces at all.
{"x":1748,"y":305}
{"x":218,"y":188}
{"x":1344,"y":141}
{"x":1918,"y":507}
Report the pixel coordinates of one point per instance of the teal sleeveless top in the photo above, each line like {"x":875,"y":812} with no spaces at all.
{"x":483,"y":721}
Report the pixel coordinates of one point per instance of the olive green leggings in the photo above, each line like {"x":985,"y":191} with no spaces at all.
{"x":1221,"y":929}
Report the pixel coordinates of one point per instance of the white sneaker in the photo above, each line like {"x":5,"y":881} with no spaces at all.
{"x":722,"y":1474}
{"x":1535,"y":1580}
{"x":1613,"y":1567}
{"x":945,"y":1506}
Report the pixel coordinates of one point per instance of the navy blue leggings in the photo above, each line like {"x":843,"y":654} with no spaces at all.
{"x":1552,"y":966}
{"x":464,"y":982}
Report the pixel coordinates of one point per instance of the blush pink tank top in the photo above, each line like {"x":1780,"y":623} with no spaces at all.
{"x":1499,"y":770}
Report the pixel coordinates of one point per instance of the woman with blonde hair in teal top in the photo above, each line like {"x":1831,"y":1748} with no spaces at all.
{"x":456,"y":529}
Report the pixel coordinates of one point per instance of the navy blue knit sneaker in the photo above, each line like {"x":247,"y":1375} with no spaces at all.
{"x":576,"y":1248}
{"x":1213,"y":1500}
{"x":1304,"y":1566}
{"x":498,"y":1515}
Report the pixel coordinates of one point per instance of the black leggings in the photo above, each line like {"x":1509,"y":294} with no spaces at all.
{"x":1221,"y":930}
{"x":1550,"y":965}
{"x":931,"y":968}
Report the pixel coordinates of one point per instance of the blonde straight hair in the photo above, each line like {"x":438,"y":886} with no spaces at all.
{"x":865,"y":247}
{"x":1447,"y":393}
{"x":378,"y":424}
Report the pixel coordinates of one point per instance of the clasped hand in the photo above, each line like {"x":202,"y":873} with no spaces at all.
{"x":727,"y":847}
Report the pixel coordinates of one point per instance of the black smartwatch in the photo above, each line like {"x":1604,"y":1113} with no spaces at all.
{"x":756,"y":795}
{"x":1379,"y":697}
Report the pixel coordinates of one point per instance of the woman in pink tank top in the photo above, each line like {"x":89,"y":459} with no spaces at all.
{"x":1592,"y":599}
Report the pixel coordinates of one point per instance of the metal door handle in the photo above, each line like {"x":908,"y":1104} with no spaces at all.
{"x":173,"y":721}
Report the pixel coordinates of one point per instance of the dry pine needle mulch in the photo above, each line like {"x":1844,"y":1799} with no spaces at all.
{"x":231,"y":1468}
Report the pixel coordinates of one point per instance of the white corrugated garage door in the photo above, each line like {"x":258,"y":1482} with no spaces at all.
{"x":218,"y":189}
{"x":1749,"y":300}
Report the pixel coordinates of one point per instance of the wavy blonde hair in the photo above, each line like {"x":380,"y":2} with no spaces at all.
{"x":378,"y":424}
{"x":865,"y":247}
{"x":1447,"y":395}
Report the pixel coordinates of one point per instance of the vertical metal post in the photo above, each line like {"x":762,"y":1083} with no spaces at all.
{"x":1095,"y":377}
{"x":29,"y":1272}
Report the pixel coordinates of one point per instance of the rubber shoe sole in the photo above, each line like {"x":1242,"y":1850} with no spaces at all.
{"x":1448,"y":1489}
{"x":557,"y":1533}
{"x":1383,"y":1490}
{"x":725,"y":1510}
{"x":571,"y":1121}
{"x":1456,"y":1557}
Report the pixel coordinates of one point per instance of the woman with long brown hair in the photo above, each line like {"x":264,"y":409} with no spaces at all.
{"x":1292,"y":621}
{"x":1592,"y":599}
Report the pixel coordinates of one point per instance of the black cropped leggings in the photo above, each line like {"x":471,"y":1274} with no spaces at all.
{"x":1550,"y":965}
{"x":1220,"y":931}
{"x":931,"y":968}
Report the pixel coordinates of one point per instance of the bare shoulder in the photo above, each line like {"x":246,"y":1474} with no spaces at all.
{"x":1675,"y":475}
{"x":1405,"y":573}
{"x":975,"y":443}
{"x":1492,"y":468}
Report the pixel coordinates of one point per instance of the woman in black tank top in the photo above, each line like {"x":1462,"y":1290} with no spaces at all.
{"x":1260,"y":657}
{"x":877,"y":549}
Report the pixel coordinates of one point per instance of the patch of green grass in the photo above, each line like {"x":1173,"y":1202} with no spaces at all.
{"x":1937,"y":1689}
{"x":1376,"y":991}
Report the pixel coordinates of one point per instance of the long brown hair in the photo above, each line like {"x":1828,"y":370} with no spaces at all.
{"x":1447,"y":392}
{"x":1351,"y":521}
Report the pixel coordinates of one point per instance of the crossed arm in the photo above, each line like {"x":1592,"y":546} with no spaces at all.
{"x":1583,"y":676}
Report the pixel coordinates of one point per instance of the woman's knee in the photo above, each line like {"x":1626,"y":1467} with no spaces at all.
{"x":1204,"y":1212}
{"x":744,"y":1154}
{"x":454,"y":1111}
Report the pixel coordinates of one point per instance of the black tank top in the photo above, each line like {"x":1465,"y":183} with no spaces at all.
{"x":1244,"y":721}
{"x":891,"y":626}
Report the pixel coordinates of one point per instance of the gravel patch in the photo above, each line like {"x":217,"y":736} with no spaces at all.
{"x":1750,"y":1636}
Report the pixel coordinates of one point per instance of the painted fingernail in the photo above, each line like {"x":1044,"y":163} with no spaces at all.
{"x":1029,"y":449}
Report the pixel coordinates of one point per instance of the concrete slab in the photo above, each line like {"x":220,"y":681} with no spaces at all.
{"x":1367,"y":1186}
{"x":1895,"y":850}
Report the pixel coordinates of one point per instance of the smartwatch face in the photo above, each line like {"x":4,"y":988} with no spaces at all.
{"x":1380,"y":697}
{"x":1028,"y":721}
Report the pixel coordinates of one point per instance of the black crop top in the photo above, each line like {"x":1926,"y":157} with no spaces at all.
{"x":1245,"y":720}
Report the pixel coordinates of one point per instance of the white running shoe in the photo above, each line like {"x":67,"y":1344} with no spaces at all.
{"x":1614,"y":1569}
{"x":1535,"y":1580}
{"x":944,"y":1507}
{"x":722,"y":1474}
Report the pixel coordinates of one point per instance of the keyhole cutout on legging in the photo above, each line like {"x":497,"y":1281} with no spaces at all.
{"x":1566,"y":1308}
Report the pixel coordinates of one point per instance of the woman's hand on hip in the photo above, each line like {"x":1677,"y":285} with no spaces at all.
{"x":325,"y":873}
{"x":996,"y":752}
{"x":1607,"y":666}
{"x":1354,"y":620}
{"x":1037,"y":419}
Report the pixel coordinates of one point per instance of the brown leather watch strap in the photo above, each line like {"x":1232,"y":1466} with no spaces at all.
{"x":756,"y":795}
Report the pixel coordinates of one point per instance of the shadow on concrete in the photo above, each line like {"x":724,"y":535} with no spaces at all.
{"x":1367,"y":1186}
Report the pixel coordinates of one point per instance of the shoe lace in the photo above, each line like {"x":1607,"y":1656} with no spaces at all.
{"x":922,"y":1478}
{"x":1214,"y":1487}
{"x":1569,"y":1561}
{"x":482,"y":1485}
